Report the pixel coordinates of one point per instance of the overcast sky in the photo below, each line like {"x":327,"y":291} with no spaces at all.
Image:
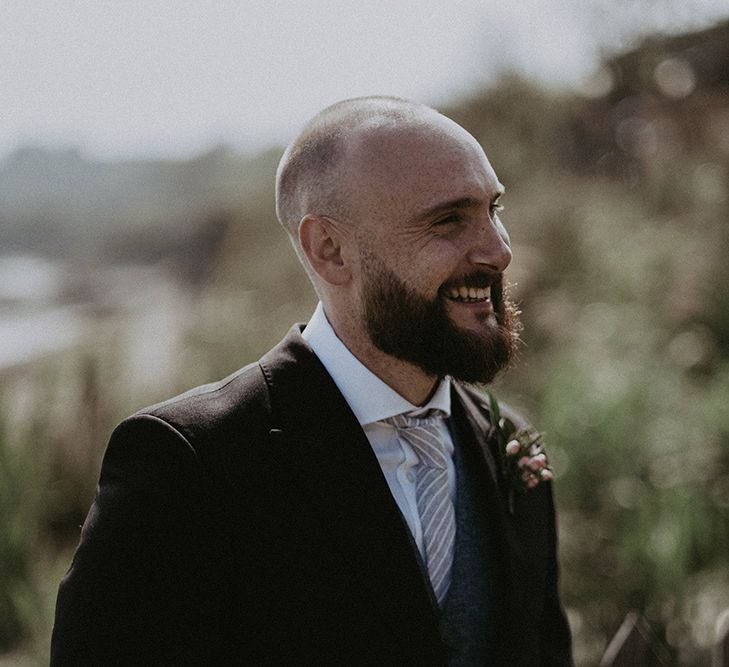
{"x":146,"y":77}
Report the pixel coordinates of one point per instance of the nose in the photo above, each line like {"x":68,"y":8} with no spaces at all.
{"x":491,"y":247}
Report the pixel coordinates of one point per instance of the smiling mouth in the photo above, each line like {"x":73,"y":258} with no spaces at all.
{"x":465,"y":294}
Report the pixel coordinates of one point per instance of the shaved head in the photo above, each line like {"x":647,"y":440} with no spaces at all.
{"x":312,"y":172}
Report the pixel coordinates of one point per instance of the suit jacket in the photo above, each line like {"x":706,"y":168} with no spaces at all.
{"x":249,"y":522}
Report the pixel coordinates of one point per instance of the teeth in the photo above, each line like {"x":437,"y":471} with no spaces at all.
{"x":468,"y":293}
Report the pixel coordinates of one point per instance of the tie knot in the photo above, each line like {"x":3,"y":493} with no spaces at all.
{"x":424,"y":435}
{"x":430,"y":419}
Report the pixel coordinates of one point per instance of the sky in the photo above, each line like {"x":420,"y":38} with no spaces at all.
{"x":147,"y":78}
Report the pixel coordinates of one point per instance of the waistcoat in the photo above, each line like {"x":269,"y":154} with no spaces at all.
{"x":467,"y":619}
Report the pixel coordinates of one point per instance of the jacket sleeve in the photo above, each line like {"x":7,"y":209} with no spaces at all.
{"x":128,"y":597}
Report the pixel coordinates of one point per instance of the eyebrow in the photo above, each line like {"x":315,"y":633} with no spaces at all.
{"x":456,"y":204}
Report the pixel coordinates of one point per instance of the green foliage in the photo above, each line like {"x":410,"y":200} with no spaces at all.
{"x":21,"y":483}
{"x":52,"y":433}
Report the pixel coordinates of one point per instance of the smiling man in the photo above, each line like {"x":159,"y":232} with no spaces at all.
{"x":346,"y":500}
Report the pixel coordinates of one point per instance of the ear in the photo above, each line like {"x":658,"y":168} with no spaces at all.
{"x":322,"y":240}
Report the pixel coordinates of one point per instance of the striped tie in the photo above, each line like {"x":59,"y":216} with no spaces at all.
{"x":437,"y":517}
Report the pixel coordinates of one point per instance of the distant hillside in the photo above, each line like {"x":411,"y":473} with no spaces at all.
{"x":60,"y":203}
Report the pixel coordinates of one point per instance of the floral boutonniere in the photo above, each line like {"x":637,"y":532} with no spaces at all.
{"x":521,"y":452}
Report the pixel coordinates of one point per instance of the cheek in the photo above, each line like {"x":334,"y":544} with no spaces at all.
{"x":436,"y":263}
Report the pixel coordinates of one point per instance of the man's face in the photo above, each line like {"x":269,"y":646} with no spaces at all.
{"x":431,"y":253}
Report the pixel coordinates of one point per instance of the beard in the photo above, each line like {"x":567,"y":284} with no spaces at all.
{"x":410,"y":327}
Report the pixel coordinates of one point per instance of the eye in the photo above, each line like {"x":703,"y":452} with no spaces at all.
{"x":450,"y":219}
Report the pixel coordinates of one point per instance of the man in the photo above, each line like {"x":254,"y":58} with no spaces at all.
{"x":344,"y":501}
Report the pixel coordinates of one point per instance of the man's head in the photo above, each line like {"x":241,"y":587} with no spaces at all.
{"x":392,"y":208}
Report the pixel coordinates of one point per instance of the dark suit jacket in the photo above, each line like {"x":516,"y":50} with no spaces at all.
{"x":248,"y":522}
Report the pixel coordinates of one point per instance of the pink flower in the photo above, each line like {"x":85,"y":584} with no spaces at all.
{"x":547,"y":475}
{"x":523,"y":462}
{"x":513,"y":447}
{"x":539,"y":461}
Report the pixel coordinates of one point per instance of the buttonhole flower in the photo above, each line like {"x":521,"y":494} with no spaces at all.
{"x":524,"y":462}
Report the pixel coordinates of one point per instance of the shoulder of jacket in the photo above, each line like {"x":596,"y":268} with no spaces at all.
{"x":241,"y":398}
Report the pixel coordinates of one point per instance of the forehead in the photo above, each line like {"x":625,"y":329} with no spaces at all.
{"x":407,"y":169}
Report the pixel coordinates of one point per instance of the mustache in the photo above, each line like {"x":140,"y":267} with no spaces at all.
{"x":477,"y":280}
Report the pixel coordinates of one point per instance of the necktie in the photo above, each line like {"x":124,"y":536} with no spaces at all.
{"x":435,"y":508}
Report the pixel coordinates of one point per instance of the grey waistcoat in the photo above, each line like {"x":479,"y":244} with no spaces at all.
{"x":467,"y":620}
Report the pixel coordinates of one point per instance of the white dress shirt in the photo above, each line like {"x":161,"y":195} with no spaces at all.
{"x":371,"y":401}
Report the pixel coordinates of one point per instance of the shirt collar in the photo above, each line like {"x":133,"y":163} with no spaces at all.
{"x":368,"y":396}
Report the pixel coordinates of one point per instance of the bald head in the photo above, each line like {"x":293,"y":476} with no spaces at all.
{"x":313,"y":170}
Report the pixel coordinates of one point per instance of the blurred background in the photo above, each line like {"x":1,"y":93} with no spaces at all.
{"x":139,"y":255}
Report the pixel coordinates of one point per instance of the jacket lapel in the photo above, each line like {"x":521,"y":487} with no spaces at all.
{"x":473,"y":430}
{"x":318,"y":437}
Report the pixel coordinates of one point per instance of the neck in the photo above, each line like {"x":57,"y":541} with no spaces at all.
{"x":407,"y":380}
{"x":411,"y":382}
